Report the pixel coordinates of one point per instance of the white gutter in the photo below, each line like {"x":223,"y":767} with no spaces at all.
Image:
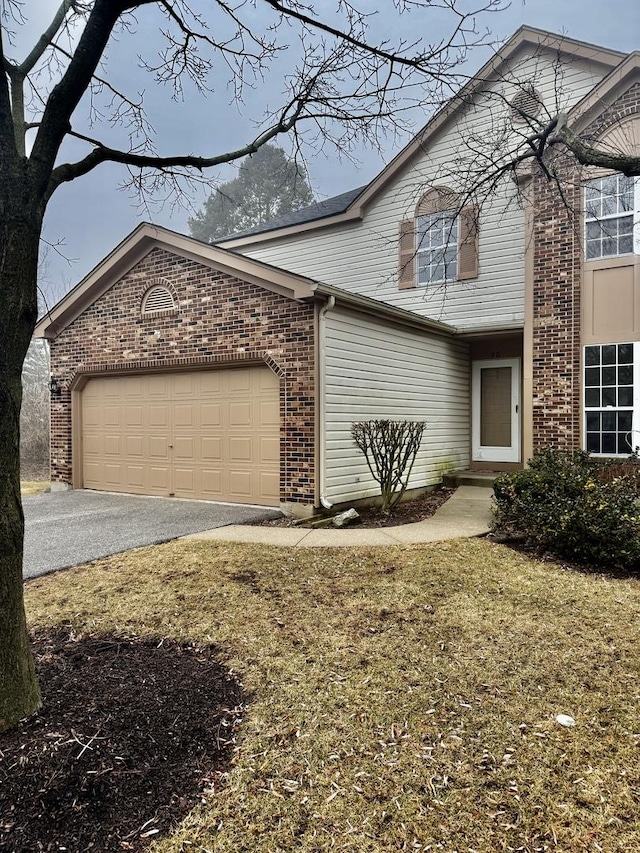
{"x":322,"y":381}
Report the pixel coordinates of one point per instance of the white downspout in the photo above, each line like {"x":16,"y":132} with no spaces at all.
{"x":322,"y":379}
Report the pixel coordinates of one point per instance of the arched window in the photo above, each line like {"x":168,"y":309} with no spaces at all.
{"x":440,"y":243}
{"x":158,"y":299}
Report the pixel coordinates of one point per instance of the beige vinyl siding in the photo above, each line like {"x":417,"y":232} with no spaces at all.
{"x":377,"y":370}
{"x":363,"y":256}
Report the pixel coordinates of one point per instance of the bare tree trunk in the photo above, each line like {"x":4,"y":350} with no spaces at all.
{"x":20,"y":225}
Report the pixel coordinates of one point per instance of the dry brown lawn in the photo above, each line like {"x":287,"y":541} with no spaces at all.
{"x":34,"y":487}
{"x":403,"y":699}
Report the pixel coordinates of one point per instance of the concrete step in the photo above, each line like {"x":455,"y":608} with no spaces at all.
{"x":469,"y":478}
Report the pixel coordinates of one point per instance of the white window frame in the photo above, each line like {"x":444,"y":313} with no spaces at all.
{"x":429,"y":254}
{"x":634,"y":408}
{"x":602,"y":219}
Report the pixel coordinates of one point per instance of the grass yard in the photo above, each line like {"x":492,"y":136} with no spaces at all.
{"x":34,"y":487}
{"x":402,"y":699}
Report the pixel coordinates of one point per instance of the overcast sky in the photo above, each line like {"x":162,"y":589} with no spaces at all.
{"x":90,"y":216}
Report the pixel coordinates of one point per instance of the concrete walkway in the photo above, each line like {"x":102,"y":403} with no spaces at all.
{"x":466,"y":513}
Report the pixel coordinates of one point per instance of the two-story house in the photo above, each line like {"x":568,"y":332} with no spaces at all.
{"x":499,"y":306}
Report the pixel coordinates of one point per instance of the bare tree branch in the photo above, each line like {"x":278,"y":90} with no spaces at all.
{"x":7,"y":133}
{"x":102,"y":154}
{"x":66,"y":94}
{"x":590,"y":155}
{"x":45,"y":40}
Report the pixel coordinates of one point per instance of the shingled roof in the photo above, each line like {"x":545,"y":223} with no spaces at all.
{"x":318,"y":210}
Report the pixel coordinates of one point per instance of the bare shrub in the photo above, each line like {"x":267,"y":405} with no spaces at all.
{"x":390,"y":448}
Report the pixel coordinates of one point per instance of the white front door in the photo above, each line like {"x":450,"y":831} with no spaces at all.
{"x":495,"y":404}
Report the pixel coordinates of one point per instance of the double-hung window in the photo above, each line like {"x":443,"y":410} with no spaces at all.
{"x":612,"y":213}
{"x":437,"y":249}
{"x":612,"y":398}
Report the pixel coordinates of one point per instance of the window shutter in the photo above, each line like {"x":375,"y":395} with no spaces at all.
{"x":406,"y":259}
{"x":468,"y":243}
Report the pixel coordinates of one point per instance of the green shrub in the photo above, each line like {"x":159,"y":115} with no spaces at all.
{"x":573,"y":506}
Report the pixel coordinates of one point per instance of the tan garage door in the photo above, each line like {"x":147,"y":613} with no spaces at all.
{"x":212,"y":435}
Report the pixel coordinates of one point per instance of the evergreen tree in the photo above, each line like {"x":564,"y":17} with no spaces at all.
{"x":269,"y":184}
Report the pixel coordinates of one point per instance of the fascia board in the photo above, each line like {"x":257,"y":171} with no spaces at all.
{"x":483,"y":331}
{"x":352,"y":215}
{"x":383,"y":310}
{"x":605,"y":92}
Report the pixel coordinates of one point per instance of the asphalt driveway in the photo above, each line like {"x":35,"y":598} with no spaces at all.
{"x":65,"y":529}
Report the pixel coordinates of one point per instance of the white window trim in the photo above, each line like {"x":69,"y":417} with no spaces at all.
{"x":452,"y":240}
{"x":635,"y":408}
{"x":635,"y":213}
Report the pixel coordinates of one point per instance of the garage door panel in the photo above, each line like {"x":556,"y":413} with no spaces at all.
{"x":240,"y":381}
{"x":134,"y":477}
{"x":183,"y":385}
{"x":211,"y":384}
{"x":134,"y":445}
{"x":212,"y":483}
{"x":268,"y":414}
{"x":184,"y":448}
{"x":158,"y":447}
{"x":159,"y":416}
{"x":200,"y":434}
{"x":157,"y":386}
{"x":111,"y":416}
{"x":92,"y":445}
{"x":111,"y":446}
{"x":134,"y":416}
{"x":240,"y":485}
{"x":159,"y":480}
{"x":132,"y":387}
{"x":92,"y":415}
{"x":112,"y":474}
{"x":239,"y":414}
{"x":183,"y":417}
{"x":211,"y":448}
{"x":269,"y":449}
{"x":267,"y":381}
{"x":210,"y":415}
{"x":268,"y":485}
{"x":109,"y":389}
{"x":240,"y":449}
{"x":92,"y":473}
{"x":184,"y":481}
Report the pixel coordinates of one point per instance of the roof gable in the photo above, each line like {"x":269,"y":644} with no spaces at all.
{"x":137,"y":245}
{"x":491,"y":71}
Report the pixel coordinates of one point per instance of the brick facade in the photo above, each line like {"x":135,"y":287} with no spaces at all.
{"x":220,"y":320}
{"x":557,"y":277}
{"x":557,"y":291}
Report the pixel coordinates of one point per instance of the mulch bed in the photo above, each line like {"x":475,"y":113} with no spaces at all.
{"x":132,"y":733}
{"x":406,"y":512}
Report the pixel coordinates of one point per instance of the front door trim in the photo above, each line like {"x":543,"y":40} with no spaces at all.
{"x":480,"y":453}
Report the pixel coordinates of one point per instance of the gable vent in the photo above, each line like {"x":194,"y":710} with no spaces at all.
{"x":158,"y":298}
{"x":525,"y":105}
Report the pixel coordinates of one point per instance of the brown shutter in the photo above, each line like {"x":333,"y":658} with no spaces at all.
{"x":406,"y":253}
{"x":468,"y":243}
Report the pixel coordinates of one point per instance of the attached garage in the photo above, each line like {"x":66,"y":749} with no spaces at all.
{"x":203,"y":434}
{"x":186,"y":370}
